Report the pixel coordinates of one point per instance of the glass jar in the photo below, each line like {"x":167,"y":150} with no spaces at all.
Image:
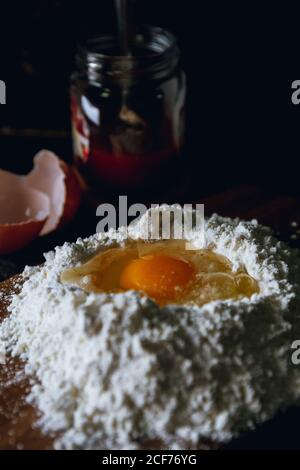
{"x":128,"y":112}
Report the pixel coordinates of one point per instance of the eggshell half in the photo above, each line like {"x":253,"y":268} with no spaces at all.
{"x":58,"y":180}
{"x":23,"y":212}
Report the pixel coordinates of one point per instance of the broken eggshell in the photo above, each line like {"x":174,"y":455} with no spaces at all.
{"x":23,"y":212}
{"x":59,"y":181}
{"x":36,"y":204}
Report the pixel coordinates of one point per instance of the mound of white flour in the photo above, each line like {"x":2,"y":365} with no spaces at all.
{"x":115,"y":370}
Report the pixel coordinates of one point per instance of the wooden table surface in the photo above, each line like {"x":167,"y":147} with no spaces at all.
{"x":17,"y":418}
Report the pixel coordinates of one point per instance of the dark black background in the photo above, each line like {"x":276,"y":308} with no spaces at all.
{"x":240,"y":59}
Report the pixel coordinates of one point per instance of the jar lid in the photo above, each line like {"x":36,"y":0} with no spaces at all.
{"x":154,"y":52}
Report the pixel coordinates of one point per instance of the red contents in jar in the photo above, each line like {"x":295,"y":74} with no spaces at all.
{"x":128,"y":170}
{"x":125,"y":159}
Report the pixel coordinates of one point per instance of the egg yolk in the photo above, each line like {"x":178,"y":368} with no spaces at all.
{"x":165,"y":271}
{"x":159,"y":276}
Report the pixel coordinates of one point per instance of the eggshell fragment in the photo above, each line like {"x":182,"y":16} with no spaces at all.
{"x":73,"y":194}
{"x":59,"y":181}
{"x":23,"y":212}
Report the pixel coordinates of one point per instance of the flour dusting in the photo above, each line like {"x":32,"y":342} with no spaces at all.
{"x":115,"y":370}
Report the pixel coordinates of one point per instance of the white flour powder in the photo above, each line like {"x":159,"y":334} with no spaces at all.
{"x":113,"y":370}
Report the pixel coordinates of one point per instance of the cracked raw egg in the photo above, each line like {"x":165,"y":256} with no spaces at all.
{"x":165,"y":271}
